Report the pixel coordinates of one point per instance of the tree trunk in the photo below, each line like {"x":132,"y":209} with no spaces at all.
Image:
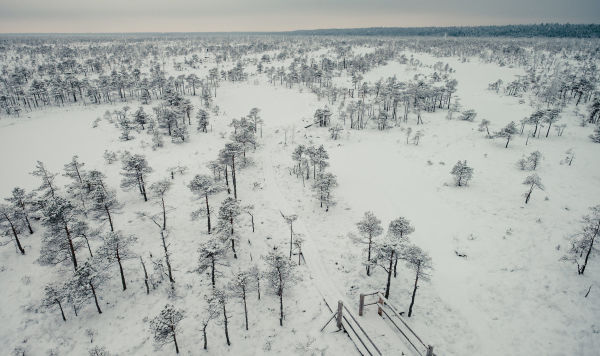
{"x":587,"y":255}
{"x":175,"y":341}
{"x":369,"y":256}
{"x":121,"y":270}
{"x":280,"y":307}
{"x":204,"y":334}
{"x":212,"y":271}
{"x":162,"y":235}
{"x":143,"y":186}
{"x":28,"y":223}
{"x":109,"y":218}
{"x":414,"y":293}
{"x":233,"y":177}
{"x":529,"y":195}
{"x":227,"y":180}
{"x":207,"y":211}
{"x":95,"y":298}
{"x":549,"y":126}
{"x":14,"y":231}
{"x":71,"y":248}
{"x":145,"y":276}
{"x":162,"y":199}
{"x":61,"y":310}
{"x":225,"y":324}
{"x":389,"y":278}
{"x":245,"y":308}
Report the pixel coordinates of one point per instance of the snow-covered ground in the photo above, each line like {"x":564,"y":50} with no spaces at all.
{"x":510,"y":295}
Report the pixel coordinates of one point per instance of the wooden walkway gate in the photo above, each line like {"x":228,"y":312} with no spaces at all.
{"x":384,"y":307}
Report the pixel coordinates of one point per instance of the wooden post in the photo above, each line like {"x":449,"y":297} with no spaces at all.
{"x":361,"y":305}
{"x":429,"y":350}
{"x":339,"y":315}
{"x":379,"y":305}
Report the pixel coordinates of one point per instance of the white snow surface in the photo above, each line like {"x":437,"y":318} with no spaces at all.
{"x":511,"y":295}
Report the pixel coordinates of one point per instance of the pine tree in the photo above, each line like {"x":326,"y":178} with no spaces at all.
{"x":22,"y":204}
{"x":203,"y":186}
{"x":58,"y":215}
{"x":462,"y":173}
{"x":54,"y":295}
{"x":370,"y":228}
{"x":203,"y":120}
{"x":9,"y":223}
{"x":47,"y":188}
{"x":582,"y":246}
{"x":417,"y":260}
{"x":159,"y":189}
{"x":135,"y":169}
{"x":240,"y":285}
{"x":211,"y":312}
{"x":228,"y":212}
{"x":507,"y":132}
{"x":165,"y":326}
{"x":104,"y":201}
{"x":140,"y":117}
{"x":533,"y":181}
{"x":280,"y":274}
{"x":116,"y":248}
{"x":85,"y":282}
{"x":218,"y":300}
{"x":211,"y":254}
{"x":323,"y":187}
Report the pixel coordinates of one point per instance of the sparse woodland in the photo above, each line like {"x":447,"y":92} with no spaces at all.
{"x":216,"y":189}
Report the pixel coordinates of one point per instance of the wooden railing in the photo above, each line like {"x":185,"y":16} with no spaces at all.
{"x":384,"y":307}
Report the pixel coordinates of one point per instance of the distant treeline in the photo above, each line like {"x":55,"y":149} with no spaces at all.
{"x":540,"y":30}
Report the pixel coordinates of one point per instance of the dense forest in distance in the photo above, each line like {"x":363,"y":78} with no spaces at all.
{"x":537,"y":30}
{"x":534,"y":30}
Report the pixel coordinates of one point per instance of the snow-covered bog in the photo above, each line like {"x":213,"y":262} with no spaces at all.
{"x":222,"y":195}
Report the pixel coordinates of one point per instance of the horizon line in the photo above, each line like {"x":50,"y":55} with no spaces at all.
{"x":301,"y":30}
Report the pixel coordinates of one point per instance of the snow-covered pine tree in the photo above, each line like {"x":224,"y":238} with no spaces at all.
{"x":370,"y":228}
{"x":159,"y":189}
{"x":203,"y":118}
{"x":134,"y":171}
{"x":58,"y":215}
{"x":533,"y":181}
{"x":218,"y":300}
{"x":227,"y":219}
{"x":240,"y":285}
{"x":116,"y":247}
{"x":280,"y":274}
{"x":323,"y":188}
{"x":9,"y":223}
{"x":583,"y":245}
{"x":420,"y":262}
{"x":211,"y":312}
{"x":86,"y":280}
{"x":211,"y":254}
{"x":22,"y":204}
{"x":204,"y":186}
{"x":140,"y":117}
{"x":165,"y":326}
{"x":47,"y":188}
{"x":508,"y":132}
{"x":54,"y":296}
{"x":462,"y":173}
{"x":103,"y":200}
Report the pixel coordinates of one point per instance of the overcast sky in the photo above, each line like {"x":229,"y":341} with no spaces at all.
{"x":279,"y":15}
